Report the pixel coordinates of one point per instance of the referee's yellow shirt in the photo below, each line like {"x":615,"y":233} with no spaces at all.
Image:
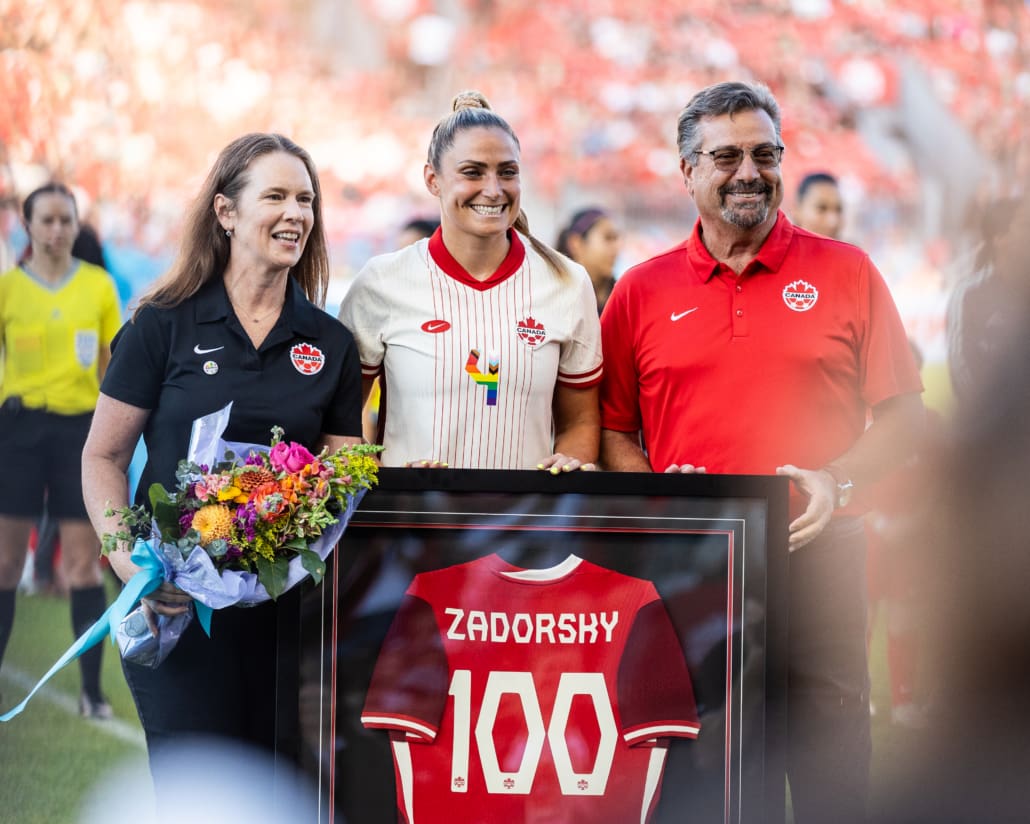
{"x":52,"y":337}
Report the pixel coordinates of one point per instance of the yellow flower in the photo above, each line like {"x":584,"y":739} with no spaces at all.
{"x":229,"y":493}
{"x":213,"y":521}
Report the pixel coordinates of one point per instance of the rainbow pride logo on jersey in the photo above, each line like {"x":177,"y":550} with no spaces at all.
{"x":487,"y":379}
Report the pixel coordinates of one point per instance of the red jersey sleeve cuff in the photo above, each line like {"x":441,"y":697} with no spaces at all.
{"x":369,"y":371}
{"x":581,"y":380}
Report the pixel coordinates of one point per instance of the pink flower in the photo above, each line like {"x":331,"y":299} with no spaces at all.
{"x":290,"y":457}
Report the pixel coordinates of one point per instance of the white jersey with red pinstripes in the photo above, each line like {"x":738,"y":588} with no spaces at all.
{"x":470,"y":367}
{"x":519,"y":695}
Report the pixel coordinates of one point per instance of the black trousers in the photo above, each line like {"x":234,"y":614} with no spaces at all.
{"x":238,"y":685}
{"x":828,"y":730}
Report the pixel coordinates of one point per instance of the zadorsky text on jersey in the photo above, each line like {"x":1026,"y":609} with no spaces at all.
{"x":531,"y":627}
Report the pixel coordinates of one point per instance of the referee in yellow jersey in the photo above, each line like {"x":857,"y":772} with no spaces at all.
{"x":57,"y":317}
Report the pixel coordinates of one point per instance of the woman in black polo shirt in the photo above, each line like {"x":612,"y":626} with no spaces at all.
{"x":227,"y":323}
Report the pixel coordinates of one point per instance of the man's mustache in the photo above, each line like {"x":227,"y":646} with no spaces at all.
{"x":747,"y":189}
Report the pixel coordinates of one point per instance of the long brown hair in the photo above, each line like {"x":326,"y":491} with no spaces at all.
{"x":204,"y":252}
{"x":471,"y":110}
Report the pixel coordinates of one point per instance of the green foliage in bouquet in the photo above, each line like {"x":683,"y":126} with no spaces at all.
{"x":254,"y":513}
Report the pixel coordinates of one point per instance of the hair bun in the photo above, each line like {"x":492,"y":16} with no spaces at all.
{"x":469,"y":99}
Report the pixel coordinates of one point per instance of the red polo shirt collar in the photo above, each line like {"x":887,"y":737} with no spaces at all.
{"x":770,"y":256}
{"x":509,"y":266}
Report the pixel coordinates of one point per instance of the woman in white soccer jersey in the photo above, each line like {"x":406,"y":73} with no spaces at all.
{"x":486,"y":339}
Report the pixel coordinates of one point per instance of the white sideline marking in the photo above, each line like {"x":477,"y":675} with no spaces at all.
{"x":114,"y":727}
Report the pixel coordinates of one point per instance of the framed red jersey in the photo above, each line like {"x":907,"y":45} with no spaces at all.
{"x":513,"y":647}
{"x":539,"y":690}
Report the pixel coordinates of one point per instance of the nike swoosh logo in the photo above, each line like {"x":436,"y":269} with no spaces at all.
{"x":434,"y":327}
{"x":200,"y":351}
{"x":675,"y":317}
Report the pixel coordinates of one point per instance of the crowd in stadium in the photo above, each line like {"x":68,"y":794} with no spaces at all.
{"x":126,"y":100}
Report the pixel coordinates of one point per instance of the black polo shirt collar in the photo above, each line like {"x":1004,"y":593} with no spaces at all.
{"x":298,"y":314}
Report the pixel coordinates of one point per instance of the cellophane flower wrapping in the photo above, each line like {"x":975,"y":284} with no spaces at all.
{"x":138,"y":644}
{"x":245,"y":523}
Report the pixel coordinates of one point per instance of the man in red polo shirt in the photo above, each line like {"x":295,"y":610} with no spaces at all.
{"x":755,"y":347}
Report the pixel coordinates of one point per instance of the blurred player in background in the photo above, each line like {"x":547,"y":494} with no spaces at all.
{"x":58,"y":315}
{"x":976,"y":564}
{"x":819,"y":207}
{"x":592,"y":239}
{"x":890,"y":560}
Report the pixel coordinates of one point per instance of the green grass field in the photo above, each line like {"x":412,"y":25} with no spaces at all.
{"x":50,"y":758}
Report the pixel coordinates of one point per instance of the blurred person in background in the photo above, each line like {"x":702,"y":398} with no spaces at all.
{"x":890,"y":572}
{"x":592,"y":239}
{"x":756,"y":347}
{"x":486,"y":339}
{"x":416,"y":229}
{"x":972,"y":761}
{"x":88,"y":247}
{"x":219,"y":327}
{"x":46,"y":575}
{"x":819,"y":207}
{"x":9,"y":216}
{"x":985,"y":317}
{"x":895,"y":534}
{"x":58,"y":315}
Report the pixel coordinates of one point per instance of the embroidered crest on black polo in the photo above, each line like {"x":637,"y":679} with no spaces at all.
{"x":307,"y":359}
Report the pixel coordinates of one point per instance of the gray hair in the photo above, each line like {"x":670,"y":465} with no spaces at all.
{"x":719,"y":99}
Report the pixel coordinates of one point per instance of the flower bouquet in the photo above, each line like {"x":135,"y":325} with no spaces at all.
{"x":239,"y":528}
{"x":245,"y":523}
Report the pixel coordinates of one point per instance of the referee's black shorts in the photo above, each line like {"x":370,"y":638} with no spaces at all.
{"x":41,"y":460}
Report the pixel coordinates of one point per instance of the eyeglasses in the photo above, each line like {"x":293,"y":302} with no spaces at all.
{"x":728,"y":158}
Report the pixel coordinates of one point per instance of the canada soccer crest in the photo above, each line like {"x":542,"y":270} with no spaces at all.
{"x":530,"y":332}
{"x":307,"y":359}
{"x":800,"y":295}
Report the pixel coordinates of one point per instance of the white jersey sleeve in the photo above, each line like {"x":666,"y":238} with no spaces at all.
{"x":365,"y":311}
{"x":581,"y":362}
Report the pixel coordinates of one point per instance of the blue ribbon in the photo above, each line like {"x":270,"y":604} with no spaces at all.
{"x":156,"y":568}
{"x":149,"y":578}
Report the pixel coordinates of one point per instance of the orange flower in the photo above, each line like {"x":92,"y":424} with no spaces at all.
{"x":313,"y":468}
{"x":288,"y":488}
{"x":213,"y":521}
{"x":268,"y":501}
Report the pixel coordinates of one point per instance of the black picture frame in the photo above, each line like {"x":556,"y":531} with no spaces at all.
{"x":714,"y":546}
